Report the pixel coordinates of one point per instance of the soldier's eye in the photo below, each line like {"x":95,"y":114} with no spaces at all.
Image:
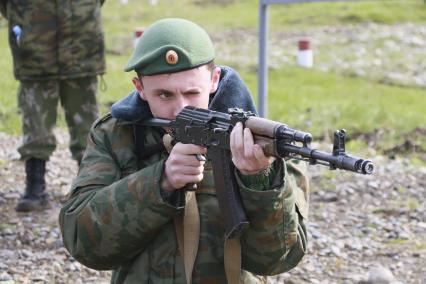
{"x":165,"y":95}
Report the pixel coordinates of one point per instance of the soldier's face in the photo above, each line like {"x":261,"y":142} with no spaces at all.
{"x":168,"y":94}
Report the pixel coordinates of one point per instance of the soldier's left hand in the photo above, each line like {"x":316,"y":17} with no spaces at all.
{"x":247,"y":156}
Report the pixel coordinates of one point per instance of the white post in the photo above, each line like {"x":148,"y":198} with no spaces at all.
{"x":138,"y":33}
{"x":305,"y":55}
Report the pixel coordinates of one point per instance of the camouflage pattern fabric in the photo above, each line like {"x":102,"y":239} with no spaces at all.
{"x":116,"y":218}
{"x":38,"y":102}
{"x":60,"y":39}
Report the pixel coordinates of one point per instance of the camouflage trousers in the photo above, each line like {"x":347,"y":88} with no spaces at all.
{"x":38,"y":102}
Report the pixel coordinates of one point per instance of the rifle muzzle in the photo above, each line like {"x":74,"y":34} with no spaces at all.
{"x":367,"y":167}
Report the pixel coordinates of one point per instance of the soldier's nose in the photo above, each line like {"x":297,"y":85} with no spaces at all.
{"x":180,"y":104}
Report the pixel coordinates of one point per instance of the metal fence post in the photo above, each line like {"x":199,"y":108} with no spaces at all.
{"x":262,"y":71}
{"x":262,"y":87}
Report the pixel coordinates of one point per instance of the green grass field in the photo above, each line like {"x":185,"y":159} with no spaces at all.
{"x":311,"y":100}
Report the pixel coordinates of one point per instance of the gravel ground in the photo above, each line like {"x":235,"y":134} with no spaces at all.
{"x":361,"y":228}
{"x":31,"y":249}
{"x":390,"y":54}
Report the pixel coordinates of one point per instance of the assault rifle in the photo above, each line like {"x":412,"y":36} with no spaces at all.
{"x":212,"y":130}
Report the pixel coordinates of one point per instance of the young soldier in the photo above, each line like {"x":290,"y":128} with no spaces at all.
{"x":124,"y":211}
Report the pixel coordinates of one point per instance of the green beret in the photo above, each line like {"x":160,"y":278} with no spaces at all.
{"x":171,"y":45}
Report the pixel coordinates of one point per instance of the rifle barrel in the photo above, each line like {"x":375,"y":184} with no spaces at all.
{"x":342,"y":161}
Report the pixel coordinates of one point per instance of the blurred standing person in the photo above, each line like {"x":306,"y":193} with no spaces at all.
{"x":58,"y":50}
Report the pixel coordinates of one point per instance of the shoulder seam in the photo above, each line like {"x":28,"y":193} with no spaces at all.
{"x":102,"y":119}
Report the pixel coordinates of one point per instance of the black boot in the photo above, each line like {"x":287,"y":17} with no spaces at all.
{"x":35,"y":197}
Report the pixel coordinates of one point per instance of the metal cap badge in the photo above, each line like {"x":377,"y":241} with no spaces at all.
{"x":172,"y":57}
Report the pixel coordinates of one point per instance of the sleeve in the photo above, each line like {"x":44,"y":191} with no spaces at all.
{"x":108,"y":219}
{"x":276,"y":239}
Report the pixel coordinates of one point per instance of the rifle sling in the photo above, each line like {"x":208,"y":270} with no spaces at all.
{"x":232,"y":260}
{"x":187,"y":227}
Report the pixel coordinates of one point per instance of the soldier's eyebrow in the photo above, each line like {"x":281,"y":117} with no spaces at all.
{"x":162,"y":91}
{"x":189,"y":91}
{"x":192,"y":90}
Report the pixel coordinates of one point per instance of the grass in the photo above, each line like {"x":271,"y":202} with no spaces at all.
{"x":325,"y":99}
{"x":310,"y":100}
{"x":350,"y":12}
{"x":9,"y":119}
{"x":417,"y":161}
{"x":413,"y":204}
{"x":216,"y":15}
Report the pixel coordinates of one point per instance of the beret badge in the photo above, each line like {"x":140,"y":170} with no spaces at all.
{"x":172,"y":57}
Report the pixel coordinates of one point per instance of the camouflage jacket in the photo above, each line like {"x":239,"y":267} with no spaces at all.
{"x":59,"y":39}
{"x":117,"y":218}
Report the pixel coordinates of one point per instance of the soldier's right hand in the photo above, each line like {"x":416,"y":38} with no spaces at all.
{"x":183,"y":167}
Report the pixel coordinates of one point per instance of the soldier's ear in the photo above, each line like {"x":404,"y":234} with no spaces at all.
{"x":139,"y":87}
{"x":215,"y":79}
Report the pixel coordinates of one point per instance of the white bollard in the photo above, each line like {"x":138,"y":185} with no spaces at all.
{"x":305,"y":55}
{"x":138,"y":33}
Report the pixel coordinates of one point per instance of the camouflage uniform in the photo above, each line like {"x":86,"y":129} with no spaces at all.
{"x":117,"y":219}
{"x":57,"y":57}
{"x":38,"y":101}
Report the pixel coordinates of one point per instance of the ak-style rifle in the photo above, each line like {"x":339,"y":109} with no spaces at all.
{"x":212,"y":129}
